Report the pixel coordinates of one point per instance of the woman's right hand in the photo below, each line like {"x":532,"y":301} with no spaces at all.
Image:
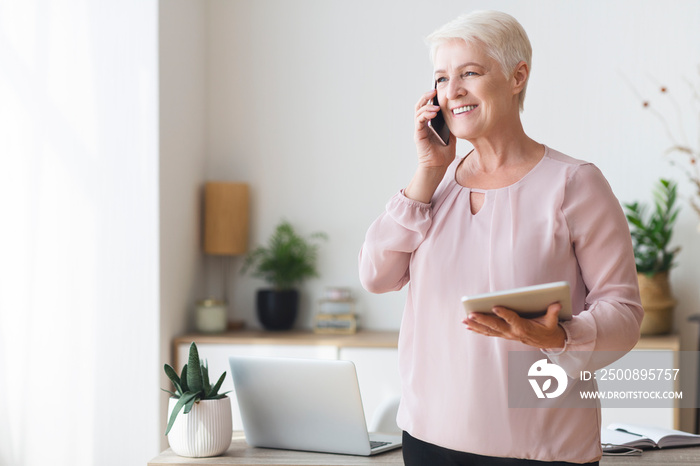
{"x":433,"y":156}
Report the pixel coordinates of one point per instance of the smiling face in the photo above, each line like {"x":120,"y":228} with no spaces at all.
{"x":476,"y":97}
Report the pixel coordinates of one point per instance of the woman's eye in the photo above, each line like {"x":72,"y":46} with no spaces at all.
{"x":441,"y":79}
{"x":469,"y":73}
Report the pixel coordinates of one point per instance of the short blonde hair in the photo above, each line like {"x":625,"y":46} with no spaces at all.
{"x":501,"y":35}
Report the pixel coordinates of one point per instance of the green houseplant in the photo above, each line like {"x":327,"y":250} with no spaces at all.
{"x":286,"y":261}
{"x":654,"y":257}
{"x":651,"y":234}
{"x":205,"y":426}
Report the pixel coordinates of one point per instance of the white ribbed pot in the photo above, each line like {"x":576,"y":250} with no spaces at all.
{"x":205,"y":431}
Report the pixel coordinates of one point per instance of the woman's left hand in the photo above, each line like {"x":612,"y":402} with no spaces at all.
{"x":540,"y":332}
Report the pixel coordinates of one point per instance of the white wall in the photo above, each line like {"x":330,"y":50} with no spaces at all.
{"x":311,"y":102}
{"x":183,"y":120}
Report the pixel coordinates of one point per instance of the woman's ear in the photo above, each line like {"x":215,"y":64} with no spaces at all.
{"x":522,"y":71}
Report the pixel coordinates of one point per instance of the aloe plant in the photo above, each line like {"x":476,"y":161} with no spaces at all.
{"x":192,"y":385}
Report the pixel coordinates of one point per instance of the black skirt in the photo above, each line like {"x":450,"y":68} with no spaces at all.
{"x":419,"y":453}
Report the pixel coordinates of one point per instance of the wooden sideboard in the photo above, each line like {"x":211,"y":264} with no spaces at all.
{"x":362,"y":339}
{"x":375,"y":356}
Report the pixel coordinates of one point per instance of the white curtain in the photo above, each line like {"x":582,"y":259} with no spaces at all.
{"x":79,"y":233}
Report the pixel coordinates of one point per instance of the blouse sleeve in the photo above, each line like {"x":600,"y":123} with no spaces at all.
{"x":389,"y":243}
{"x":609,"y":326}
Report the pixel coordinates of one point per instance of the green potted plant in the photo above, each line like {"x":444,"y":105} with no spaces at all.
{"x":286,"y":261}
{"x":205,"y":426}
{"x":651,"y":237}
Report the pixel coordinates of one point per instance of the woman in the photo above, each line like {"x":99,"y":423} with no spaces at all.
{"x":511,"y":213}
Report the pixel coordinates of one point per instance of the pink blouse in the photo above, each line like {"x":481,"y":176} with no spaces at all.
{"x":559,"y":222}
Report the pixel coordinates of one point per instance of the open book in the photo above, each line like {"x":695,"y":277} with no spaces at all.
{"x":645,"y":437}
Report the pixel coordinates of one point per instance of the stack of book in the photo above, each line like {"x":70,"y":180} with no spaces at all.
{"x":336,"y":312}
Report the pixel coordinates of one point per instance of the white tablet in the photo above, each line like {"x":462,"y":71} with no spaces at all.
{"x":528,"y":301}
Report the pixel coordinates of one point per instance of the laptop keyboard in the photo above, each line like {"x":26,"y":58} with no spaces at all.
{"x":376,"y":444}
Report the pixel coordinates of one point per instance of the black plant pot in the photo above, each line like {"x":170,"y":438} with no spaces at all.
{"x":277,"y":310}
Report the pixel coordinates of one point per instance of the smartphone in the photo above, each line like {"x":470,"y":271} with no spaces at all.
{"x":438,"y":125}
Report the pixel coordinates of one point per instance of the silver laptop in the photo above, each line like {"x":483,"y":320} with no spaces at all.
{"x":304,"y":404}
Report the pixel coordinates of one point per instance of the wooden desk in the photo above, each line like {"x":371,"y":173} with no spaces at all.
{"x":239,"y":453}
{"x":668,"y":457}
